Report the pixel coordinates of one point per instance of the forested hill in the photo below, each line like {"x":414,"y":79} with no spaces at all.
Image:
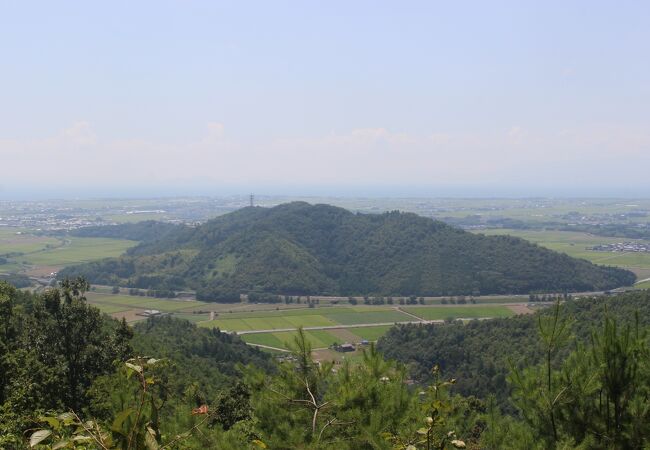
{"x":302,"y":249}
{"x":480,"y":354}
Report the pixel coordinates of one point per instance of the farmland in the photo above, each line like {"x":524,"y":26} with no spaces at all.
{"x":325,"y":326}
{"x":308,"y":317}
{"x":78,"y":250}
{"x":317,"y":338}
{"x":117,"y":303}
{"x":39,"y":255}
{"x":275,"y":325}
{"x":467,"y":312}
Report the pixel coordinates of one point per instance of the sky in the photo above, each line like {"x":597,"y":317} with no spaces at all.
{"x":327,"y":97}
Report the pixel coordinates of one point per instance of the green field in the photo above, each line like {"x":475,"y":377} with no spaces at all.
{"x":14,"y":240}
{"x":78,"y":250}
{"x":575,"y":244}
{"x":307,"y":317}
{"x":465,"y":312}
{"x":644,"y":285}
{"x":317,"y":338}
{"x":370,"y":333}
{"x":126,"y":302}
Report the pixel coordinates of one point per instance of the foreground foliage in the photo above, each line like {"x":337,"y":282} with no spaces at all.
{"x":202,"y":389}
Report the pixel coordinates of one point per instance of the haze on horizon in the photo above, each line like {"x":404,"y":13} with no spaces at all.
{"x":409,"y":98}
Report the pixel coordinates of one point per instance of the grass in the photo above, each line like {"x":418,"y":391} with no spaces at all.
{"x":306,"y":317}
{"x":268,"y":339}
{"x":317,"y":338}
{"x":282,"y":339}
{"x":370,"y":333}
{"x":358,"y":318}
{"x":465,"y":312}
{"x":131,"y":302}
{"x":644,"y":285}
{"x":575,"y":243}
{"x":11,"y":242}
{"x":78,"y":250}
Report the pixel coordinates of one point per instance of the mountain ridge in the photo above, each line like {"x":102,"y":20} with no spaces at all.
{"x":303,"y":249}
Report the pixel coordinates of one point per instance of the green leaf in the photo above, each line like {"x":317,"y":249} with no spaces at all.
{"x":61,"y":444}
{"x":120,"y":418}
{"x":134,"y":367}
{"x":51,"y":421}
{"x":259,"y":443}
{"x":150,"y":439}
{"x":38,"y":437}
{"x":66,"y":417}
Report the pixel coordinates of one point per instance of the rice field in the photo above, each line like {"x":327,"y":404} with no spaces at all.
{"x":324,"y":325}
{"x":307,"y":317}
{"x":78,"y":250}
{"x":126,"y":302}
{"x":459,"y":312}
{"x":317,"y":338}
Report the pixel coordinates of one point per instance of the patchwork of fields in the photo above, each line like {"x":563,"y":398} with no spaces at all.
{"x":109,"y":303}
{"x":307,"y":317}
{"x":317,"y":338}
{"x":324,"y":325}
{"x":30,"y":252}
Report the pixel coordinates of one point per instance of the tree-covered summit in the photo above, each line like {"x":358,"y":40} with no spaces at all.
{"x":302,"y":249}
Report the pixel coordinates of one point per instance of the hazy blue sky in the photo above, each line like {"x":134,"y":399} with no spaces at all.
{"x":427,"y":97}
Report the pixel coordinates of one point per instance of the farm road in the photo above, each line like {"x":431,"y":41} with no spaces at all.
{"x":336,"y":327}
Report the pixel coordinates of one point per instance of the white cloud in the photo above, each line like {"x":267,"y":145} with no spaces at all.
{"x":600,"y":153}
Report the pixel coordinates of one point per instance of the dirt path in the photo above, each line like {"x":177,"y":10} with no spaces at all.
{"x":334,"y":327}
{"x":520,"y":309}
{"x":269,"y":347}
{"x":408,"y":314}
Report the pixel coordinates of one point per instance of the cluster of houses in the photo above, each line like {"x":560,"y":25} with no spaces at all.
{"x":347,"y":347}
{"x":639,"y":247}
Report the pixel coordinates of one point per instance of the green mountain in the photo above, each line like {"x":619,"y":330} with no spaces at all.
{"x":302,"y":249}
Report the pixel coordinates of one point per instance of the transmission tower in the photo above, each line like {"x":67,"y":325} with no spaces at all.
{"x":252,"y":198}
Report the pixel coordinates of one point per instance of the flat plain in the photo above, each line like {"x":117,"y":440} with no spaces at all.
{"x":465,"y":312}
{"x":38,"y":255}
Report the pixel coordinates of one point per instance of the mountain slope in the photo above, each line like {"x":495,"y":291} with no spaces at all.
{"x":298,"y":248}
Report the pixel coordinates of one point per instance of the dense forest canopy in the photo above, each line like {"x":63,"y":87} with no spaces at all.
{"x":303,"y":249}
{"x":72,"y":378}
{"x":480,"y":354}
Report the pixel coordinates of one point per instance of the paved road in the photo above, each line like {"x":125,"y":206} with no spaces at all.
{"x":336,"y":327}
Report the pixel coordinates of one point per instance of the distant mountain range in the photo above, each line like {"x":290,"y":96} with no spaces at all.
{"x":302,"y":249}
